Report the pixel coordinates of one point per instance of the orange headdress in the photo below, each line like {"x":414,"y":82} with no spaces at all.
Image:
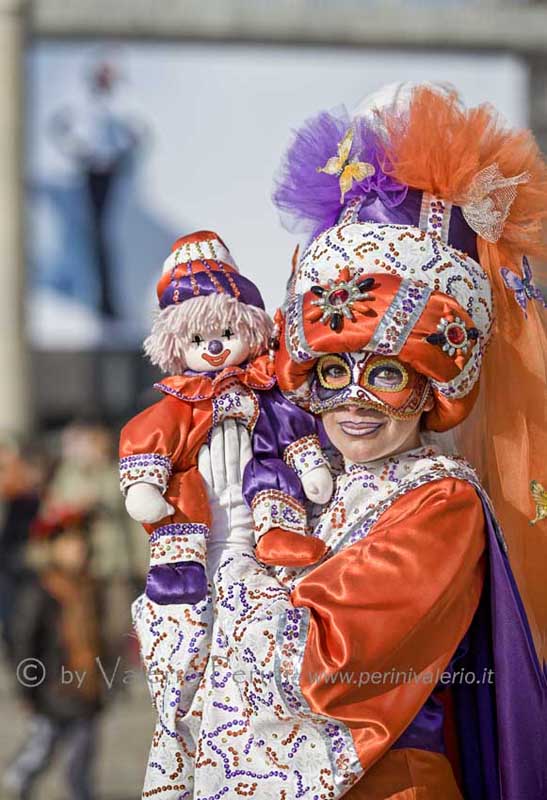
{"x":456,"y":247}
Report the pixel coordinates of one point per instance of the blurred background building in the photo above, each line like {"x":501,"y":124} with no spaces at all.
{"x":125,"y":125}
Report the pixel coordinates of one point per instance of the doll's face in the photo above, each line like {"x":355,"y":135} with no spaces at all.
{"x":217,"y":351}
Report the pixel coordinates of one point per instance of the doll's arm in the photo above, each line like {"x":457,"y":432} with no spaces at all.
{"x":295,"y":433}
{"x":151,"y":450}
{"x":149,"y":447}
{"x":287,"y":466}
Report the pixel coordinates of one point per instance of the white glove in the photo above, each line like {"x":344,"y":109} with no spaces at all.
{"x":145,"y":503}
{"x":318,"y":484}
{"x":222,"y":465}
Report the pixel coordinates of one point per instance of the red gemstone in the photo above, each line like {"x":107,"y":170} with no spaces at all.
{"x":338,"y":297}
{"x":456,"y":335}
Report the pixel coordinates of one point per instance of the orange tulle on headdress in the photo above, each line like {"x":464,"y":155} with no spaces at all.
{"x":440,"y":147}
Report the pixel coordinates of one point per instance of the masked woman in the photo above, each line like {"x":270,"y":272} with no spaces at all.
{"x":402,"y":664}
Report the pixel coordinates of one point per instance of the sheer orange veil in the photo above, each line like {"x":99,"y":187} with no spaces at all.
{"x":439,"y":146}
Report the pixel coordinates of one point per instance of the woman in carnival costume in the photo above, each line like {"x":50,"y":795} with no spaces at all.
{"x":402,"y":664}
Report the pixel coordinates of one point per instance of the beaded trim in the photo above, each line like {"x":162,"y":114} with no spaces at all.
{"x":238,"y":402}
{"x":212,"y":249}
{"x":435,"y":216}
{"x":304,"y":454}
{"x":145,"y":468}
{"x":396,"y":324}
{"x":273,"y":508}
{"x":179,"y":542}
{"x":291,"y":641}
{"x":461,"y":385}
{"x":295,"y":337}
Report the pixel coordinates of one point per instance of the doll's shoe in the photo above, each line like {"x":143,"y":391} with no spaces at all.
{"x":287,"y":549}
{"x":184,"y":582}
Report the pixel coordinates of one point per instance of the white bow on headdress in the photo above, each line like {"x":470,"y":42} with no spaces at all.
{"x":488,"y":201}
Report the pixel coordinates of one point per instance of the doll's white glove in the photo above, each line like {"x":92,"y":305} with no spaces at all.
{"x":145,"y":503}
{"x":318,"y":484}
{"x":222,"y":465}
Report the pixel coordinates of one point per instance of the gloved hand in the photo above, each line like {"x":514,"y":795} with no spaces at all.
{"x":318,"y":484}
{"x":145,"y":503}
{"x":222,"y":465}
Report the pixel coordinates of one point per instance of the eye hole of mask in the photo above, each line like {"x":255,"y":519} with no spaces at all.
{"x":333,"y":372}
{"x":386,"y":376}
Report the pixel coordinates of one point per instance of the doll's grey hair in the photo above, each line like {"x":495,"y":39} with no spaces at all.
{"x":174,"y":328}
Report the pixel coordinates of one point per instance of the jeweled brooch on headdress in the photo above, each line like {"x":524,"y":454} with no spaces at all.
{"x":340,"y":298}
{"x":453,"y":336}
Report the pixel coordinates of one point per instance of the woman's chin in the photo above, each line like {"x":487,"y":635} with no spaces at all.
{"x":360,"y":449}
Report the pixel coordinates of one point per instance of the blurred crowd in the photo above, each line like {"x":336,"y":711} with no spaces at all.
{"x":71,"y":562}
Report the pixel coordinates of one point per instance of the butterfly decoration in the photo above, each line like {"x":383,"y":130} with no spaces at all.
{"x":539,"y":496}
{"x":347,"y":171}
{"x":523,"y":288}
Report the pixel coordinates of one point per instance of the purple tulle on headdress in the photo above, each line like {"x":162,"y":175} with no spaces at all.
{"x":310,"y":200}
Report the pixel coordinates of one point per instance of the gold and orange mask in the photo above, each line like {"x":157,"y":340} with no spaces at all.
{"x":369,"y":380}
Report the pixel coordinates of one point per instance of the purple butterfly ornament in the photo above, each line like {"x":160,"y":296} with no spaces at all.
{"x":523,"y":288}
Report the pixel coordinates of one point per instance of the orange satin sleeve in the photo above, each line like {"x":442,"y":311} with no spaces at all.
{"x":400,"y":599}
{"x":162,"y":428}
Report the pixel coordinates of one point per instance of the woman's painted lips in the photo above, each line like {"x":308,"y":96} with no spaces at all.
{"x":216,"y":361}
{"x":362,"y":428}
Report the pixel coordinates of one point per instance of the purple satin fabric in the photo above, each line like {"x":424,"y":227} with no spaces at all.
{"x":279,"y":424}
{"x":460,"y":234}
{"x":249,"y":293}
{"x":425,"y":732}
{"x":184,"y":582}
{"x":503,"y":728}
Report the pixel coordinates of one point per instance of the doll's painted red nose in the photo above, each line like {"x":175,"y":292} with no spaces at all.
{"x":215,"y":347}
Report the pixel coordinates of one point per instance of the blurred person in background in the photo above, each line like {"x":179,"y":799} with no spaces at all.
{"x":23,"y":475}
{"x":87,"y":476}
{"x":100,"y":141}
{"x":56,"y":632}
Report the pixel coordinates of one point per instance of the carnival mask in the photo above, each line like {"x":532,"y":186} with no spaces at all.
{"x":369,"y":380}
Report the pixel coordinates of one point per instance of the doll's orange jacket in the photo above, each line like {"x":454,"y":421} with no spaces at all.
{"x":161,"y":444}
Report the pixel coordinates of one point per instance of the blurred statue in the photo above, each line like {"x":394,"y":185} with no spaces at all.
{"x":101,"y":141}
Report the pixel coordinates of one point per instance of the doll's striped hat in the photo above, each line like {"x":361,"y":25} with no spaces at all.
{"x":200,"y":264}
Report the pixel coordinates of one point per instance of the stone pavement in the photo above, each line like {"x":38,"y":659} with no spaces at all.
{"x":126,"y":732}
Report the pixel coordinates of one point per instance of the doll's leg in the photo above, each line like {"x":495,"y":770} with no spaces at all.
{"x":178,"y":544}
{"x":276,"y":499}
{"x":283,"y":548}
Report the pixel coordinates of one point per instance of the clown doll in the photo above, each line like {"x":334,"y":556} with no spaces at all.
{"x":211,"y":334}
{"x":403,"y":663}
